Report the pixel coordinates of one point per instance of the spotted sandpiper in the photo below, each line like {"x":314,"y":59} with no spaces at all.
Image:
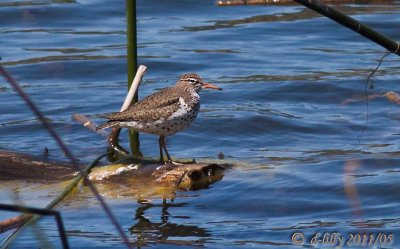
{"x":165,"y":112}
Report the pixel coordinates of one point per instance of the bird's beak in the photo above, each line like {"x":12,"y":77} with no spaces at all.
{"x":208,"y":85}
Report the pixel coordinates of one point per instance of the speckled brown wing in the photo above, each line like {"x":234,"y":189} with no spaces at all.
{"x":153,"y":107}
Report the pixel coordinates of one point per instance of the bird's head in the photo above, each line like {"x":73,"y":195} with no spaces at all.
{"x":195,"y":82}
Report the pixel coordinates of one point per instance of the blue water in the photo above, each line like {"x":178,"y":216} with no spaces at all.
{"x":309,"y":155}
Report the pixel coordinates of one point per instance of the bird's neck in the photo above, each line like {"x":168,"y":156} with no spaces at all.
{"x":190,"y":96}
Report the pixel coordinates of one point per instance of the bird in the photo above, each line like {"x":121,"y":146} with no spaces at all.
{"x":164,"y":112}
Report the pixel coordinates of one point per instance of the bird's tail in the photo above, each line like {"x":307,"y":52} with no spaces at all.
{"x":107,"y":125}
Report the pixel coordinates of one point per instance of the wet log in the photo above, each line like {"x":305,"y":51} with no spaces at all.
{"x":20,"y":166}
{"x":148,"y":175}
{"x":187,"y":176}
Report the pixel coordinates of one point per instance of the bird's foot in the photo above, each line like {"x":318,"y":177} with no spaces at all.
{"x":162,"y":161}
{"x":168,"y":162}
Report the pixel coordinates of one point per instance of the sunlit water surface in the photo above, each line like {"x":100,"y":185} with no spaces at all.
{"x":292,"y":119}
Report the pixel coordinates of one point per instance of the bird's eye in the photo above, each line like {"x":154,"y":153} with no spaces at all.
{"x":192,"y":80}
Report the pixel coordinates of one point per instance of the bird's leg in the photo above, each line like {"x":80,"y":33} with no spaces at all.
{"x":162,"y":139}
{"x":160,"y":143}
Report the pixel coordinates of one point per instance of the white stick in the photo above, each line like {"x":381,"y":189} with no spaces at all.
{"x":132,"y":91}
{"x":86,"y":122}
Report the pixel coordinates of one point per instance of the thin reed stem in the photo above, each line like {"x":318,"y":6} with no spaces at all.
{"x":65,"y":149}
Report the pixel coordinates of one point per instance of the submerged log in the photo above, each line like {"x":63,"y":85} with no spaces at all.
{"x":188,"y":176}
{"x":139,"y":177}
{"x":19,"y":166}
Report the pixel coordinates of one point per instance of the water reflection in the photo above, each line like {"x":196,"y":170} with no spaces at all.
{"x":302,"y":14}
{"x":163,"y":231}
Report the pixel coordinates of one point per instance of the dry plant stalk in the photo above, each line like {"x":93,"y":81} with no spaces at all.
{"x":135,"y":84}
{"x":113,"y":138}
{"x":86,"y":122}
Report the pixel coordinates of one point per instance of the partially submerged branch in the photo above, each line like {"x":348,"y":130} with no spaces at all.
{"x":358,"y":27}
{"x":188,"y":173}
{"x":290,"y":2}
{"x":22,"y":166}
{"x":337,"y":16}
